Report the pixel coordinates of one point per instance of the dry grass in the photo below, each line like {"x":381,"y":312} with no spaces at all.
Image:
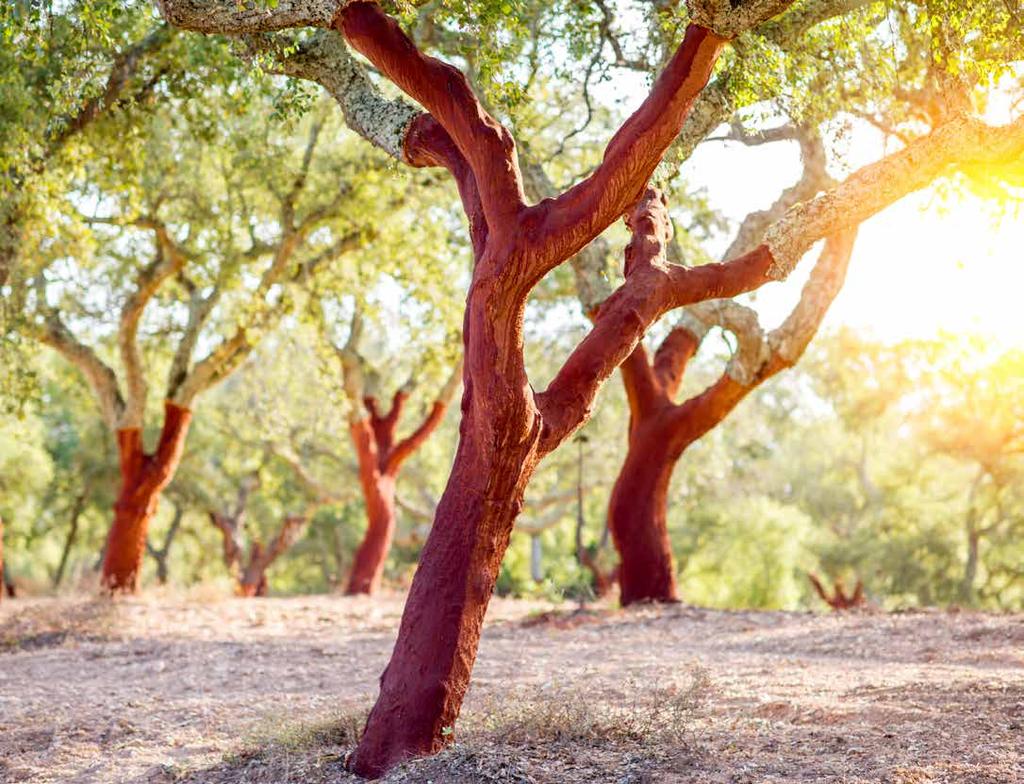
{"x":50,"y":625}
{"x":520,"y":738}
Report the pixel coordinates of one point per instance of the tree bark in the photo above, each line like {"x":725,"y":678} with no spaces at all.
{"x":143,"y":478}
{"x":76,"y":513}
{"x":424,"y":684}
{"x":368,"y":565}
{"x":373,"y":439}
{"x":638,"y":515}
{"x":380,"y":460}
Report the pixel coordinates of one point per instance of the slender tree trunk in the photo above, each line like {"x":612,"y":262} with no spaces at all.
{"x":967,"y":586}
{"x":424,"y":684}
{"x":380,"y":459}
{"x":368,"y":566}
{"x":638,"y":516}
{"x":69,"y":541}
{"x":143,"y":478}
{"x":253,"y":580}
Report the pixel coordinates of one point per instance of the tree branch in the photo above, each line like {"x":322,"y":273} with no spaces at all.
{"x":231,"y":17}
{"x":407,"y":446}
{"x":673,"y":356}
{"x":963,"y":143}
{"x":576,"y":217}
{"x":100,"y":377}
{"x":446,"y":94}
{"x":169,"y":261}
{"x":124,"y":67}
{"x":642,"y":388}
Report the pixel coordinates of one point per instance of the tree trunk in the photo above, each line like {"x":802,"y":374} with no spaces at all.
{"x":380,"y":459}
{"x":69,"y":541}
{"x":253,"y":581}
{"x":424,"y":684}
{"x":368,"y":566}
{"x":638,"y":516}
{"x":967,"y":589}
{"x":143,"y":478}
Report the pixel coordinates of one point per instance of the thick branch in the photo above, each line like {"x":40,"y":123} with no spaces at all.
{"x":446,"y":94}
{"x":169,"y":262}
{"x":729,"y":18}
{"x":325,"y":59}
{"x":963,"y":143}
{"x":643,"y":392}
{"x":98,"y":374}
{"x":232,"y":17}
{"x":790,"y":339}
{"x":752,"y":350}
{"x":407,"y":446}
{"x":580,"y":214}
{"x":672,"y":357}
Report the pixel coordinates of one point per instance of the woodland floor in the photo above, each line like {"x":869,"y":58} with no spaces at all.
{"x":163,"y":689}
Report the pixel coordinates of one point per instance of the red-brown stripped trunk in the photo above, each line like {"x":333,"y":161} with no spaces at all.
{"x":143,"y":478}
{"x":638,"y":516}
{"x":253,"y":580}
{"x":661,"y":430}
{"x":502,"y":434}
{"x":380,"y":460}
{"x":638,"y":507}
{"x":379,"y":496}
{"x":424,"y":684}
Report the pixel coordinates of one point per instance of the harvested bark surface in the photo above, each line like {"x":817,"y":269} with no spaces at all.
{"x":166,"y":689}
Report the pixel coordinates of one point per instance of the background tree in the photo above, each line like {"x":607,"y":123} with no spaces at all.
{"x":198,"y":288}
{"x":380,"y":454}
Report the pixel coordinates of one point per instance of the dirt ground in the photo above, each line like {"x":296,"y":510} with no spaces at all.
{"x":209,"y":691}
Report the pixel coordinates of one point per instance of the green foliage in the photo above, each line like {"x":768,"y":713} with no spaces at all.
{"x":749,"y":552}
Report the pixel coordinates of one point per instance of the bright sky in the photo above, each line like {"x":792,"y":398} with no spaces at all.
{"x":922,"y":266}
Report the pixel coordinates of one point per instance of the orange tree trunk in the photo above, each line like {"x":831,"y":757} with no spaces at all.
{"x":253,"y":580}
{"x":380,"y":460}
{"x":143,"y":478}
{"x":368,"y":567}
